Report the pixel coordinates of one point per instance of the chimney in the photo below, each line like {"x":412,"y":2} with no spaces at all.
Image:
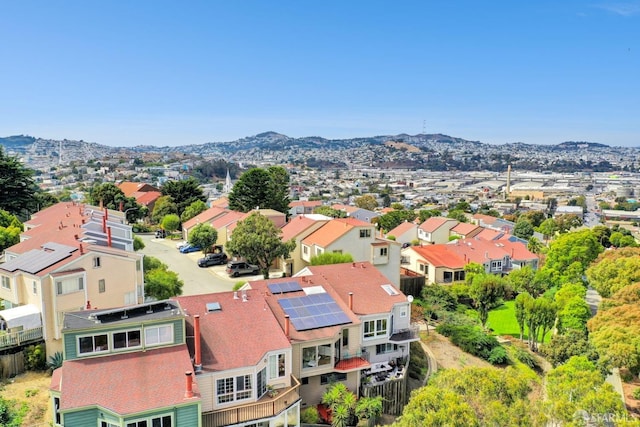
{"x":353,"y":264}
{"x":106,"y":213}
{"x":188,"y":393}
{"x":109,"y":236}
{"x":196,"y":338}
{"x":351,"y":301}
{"x":81,"y":249}
{"x":104,"y":224}
{"x":287,"y":325}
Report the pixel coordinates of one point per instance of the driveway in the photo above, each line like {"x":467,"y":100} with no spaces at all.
{"x":196,"y":280}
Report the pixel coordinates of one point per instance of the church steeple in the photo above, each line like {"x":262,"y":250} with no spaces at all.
{"x":227,"y":183}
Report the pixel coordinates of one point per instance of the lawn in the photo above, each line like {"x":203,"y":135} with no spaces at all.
{"x":502,"y":320}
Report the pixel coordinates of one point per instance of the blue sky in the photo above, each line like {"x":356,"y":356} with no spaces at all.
{"x":172,"y":73}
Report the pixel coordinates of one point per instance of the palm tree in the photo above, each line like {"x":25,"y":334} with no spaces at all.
{"x":534,"y":245}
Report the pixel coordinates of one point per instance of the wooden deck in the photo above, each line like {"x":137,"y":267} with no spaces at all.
{"x":17,"y":339}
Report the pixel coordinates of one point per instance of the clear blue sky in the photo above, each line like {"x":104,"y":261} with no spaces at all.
{"x":173,"y":73}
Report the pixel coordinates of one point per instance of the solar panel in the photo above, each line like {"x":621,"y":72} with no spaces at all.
{"x":313,"y":311}
{"x":284,"y":287}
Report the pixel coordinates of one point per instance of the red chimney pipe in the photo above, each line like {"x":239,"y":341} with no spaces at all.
{"x":109,"y":236}
{"x":106,"y":213}
{"x":104,"y":224}
{"x":351,"y":301}
{"x":196,"y":338}
{"x":81,"y":249}
{"x":188,"y":393}
{"x":286,"y":325}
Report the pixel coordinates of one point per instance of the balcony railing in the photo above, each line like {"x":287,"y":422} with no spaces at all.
{"x":266,"y":407}
{"x":16,"y":339}
{"x":412,"y":333}
{"x":352,"y":361}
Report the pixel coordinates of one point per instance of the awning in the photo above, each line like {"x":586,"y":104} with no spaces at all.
{"x":27,"y":316}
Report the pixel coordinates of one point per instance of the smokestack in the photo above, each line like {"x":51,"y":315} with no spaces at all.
{"x":287,"y":325}
{"x":109,"y":236}
{"x":196,"y":336}
{"x":188,"y":393}
{"x":351,"y":301}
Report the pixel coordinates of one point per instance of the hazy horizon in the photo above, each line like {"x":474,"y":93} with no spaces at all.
{"x":164,"y":73}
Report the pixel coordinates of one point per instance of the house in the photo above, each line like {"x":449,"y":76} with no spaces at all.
{"x":71,"y":256}
{"x":365,"y":339}
{"x":131,"y":188}
{"x":127,"y":366}
{"x":358,"y":238}
{"x":465,"y":230}
{"x":207,"y":216}
{"x":303,"y":207}
{"x":436,"y":229}
{"x":243,"y":360}
{"x":356,"y":212}
{"x":298,"y":228}
{"x":406,"y":232}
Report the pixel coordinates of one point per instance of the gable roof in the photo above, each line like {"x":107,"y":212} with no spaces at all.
{"x":225,"y":333}
{"x":466,"y":229}
{"x":298,"y":225}
{"x":204,"y":216}
{"x":147,"y":197}
{"x":137,"y":377}
{"x":435,"y":222}
{"x":403,"y":228}
{"x":439,"y":255}
{"x":333,"y":230}
{"x":128,"y":187}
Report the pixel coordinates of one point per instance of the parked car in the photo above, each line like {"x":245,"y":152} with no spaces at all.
{"x":161,"y":234}
{"x":189,"y":248}
{"x":241,"y":268}
{"x":213,"y":259}
{"x":179,"y":245}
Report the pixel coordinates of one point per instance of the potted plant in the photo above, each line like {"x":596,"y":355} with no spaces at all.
{"x":272,"y":391}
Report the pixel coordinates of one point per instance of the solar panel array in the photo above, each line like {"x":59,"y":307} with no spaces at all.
{"x":36,"y":260}
{"x":313,"y":311}
{"x":284,"y":287}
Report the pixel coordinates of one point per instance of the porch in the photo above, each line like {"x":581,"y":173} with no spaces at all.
{"x":16,"y":339}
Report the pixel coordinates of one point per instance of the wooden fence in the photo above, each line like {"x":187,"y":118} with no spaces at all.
{"x":394,"y":394}
{"x":412,"y":285}
{"x":12,"y":364}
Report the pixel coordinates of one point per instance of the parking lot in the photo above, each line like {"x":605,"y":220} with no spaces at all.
{"x":196,"y":280}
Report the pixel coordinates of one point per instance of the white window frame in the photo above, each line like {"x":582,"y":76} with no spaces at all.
{"x":69,"y":285}
{"x":90,"y":353}
{"x":496,"y":265}
{"x":365,"y":233}
{"x":384,"y":251}
{"x":6,"y":283}
{"x":149,"y":420}
{"x":151,"y":343}
{"x":274,"y":370}
{"x":102,"y":286}
{"x":376,"y":328}
{"x":236,"y":388}
{"x":96,"y":262}
{"x":127,"y":338}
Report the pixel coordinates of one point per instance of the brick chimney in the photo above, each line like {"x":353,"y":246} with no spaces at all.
{"x":188,"y":392}
{"x":196,"y":344}
{"x":351,"y":301}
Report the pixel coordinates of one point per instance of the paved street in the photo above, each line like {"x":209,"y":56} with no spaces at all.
{"x":196,"y":280}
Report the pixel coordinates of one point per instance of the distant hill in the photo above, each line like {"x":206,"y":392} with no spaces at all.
{"x":17,"y":141}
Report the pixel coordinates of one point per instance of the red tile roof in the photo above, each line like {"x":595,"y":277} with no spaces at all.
{"x":466,"y":229}
{"x":402,"y":228}
{"x":306,"y":203}
{"x":147,"y":197}
{"x":489,"y":234}
{"x":239,"y":334}
{"x":333,"y":230}
{"x":439,"y":255}
{"x":517,"y":250}
{"x":297,"y":226}
{"x":128,"y":188}
{"x":126,"y":383}
{"x":205,"y":216}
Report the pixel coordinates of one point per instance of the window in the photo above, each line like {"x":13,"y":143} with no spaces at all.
{"x":161,"y":421}
{"x":458,"y":276}
{"x":304,"y":381}
{"x":305,"y":249}
{"x":276,"y":365}
{"x":108,"y":424}
{"x":69,"y":285}
{"x":93,"y":344}
{"x":6,"y":282}
{"x":101,"y":286}
{"x":332,"y":377}
{"x":231,"y":389}
{"x":403,"y":312}
{"x":56,"y":408}
{"x":496,"y":265}
{"x":128,"y":339}
{"x":345,"y":338}
{"x":96,"y":262}
{"x":375,"y":328}
{"x":316,"y":356}
{"x":421,"y":267}
{"x":158,"y":335}
{"x":384,"y":251}
{"x":365,"y":233}
{"x":447,"y":277}
{"x":35,"y":287}
{"x":262,"y":382}
{"x":386,"y":348}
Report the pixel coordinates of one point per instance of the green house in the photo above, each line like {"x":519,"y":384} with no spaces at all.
{"x":126,"y":367}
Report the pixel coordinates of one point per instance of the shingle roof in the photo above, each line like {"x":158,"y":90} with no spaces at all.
{"x":205,"y":216}
{"x":402,"y":228}
{"x":296,"y":226}
{"x":126,"y":383}
{"x":439,"y":256}
{"x":332,"y":230}
{"x":435,"y":222}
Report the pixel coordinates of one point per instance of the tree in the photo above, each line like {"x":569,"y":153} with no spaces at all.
{"x":613,"y":270}
{"x":260,"y":188}
{"x":572,"y":343}
{"x":576,"y":386}
{"x":392,"y":219}
{"x":574,"y":315}
{"x":534,"y":245}
{"x":162,"y":284}
{"x":107,"y":195}
{"x":540,"y":317}
{"x":138,"y":244}
{"x":257,"y":239}
{"x":534,"y":217}
{"x":369,"y":408}
{"x":330,"y":212}
{"x":425,"y":214}
{"x":192,"y":210}
{"x":170,"y":222}
{"x":523,"y":229}
{"x":548,"y":228}
{"x":458,"y":215}
{"x":203,"y":236}
{"x":183,"y":193}
{"x":578,"y":246}
{"x":326,"y":258}
{"x":520,"y":307}
{"x":10,"y":229}
{"x":523,"y":280}
{"x":164,"y":206}
{"x":486,"y":290}
{"x":367,"y":202}
{"x":16,"y":182}
{"x":342,"y":403}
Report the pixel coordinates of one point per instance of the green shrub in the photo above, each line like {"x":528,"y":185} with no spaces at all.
{"x":140,"y":228}
{"x":310,"y":416}
{"x":55,"y":361}
{"x":636,"y":394}
{"x":35,"y":358}
{"x":525,"y":357}
{"x":471,"y":339}
{"x":626,"y":376}
{"x":498,"y":356}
